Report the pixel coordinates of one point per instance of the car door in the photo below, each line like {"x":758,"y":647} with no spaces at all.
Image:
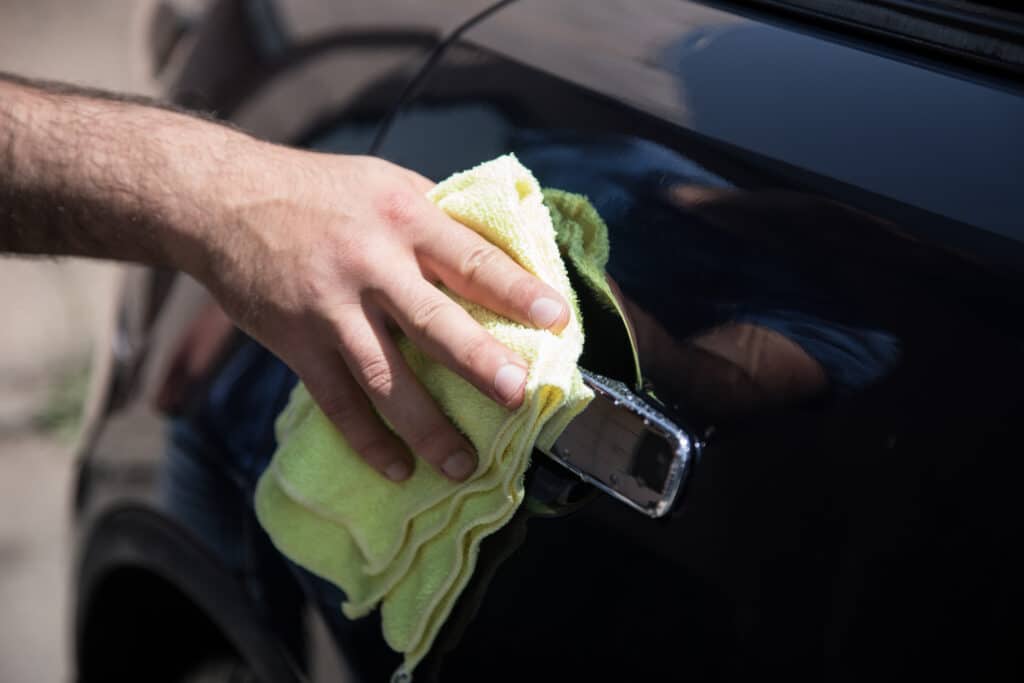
{"x":817,"y":234}
{"x":165,"y":538}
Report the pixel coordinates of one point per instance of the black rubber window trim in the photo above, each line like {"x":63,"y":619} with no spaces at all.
{"x":964,"y":32}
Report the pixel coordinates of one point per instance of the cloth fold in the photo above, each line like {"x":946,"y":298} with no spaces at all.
{"x":411,"y":547}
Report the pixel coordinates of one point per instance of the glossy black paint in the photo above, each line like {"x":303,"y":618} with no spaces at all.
{"x":819,"y":242}
{"x":861,"y":206}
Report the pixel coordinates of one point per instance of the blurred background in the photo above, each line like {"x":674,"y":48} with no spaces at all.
{"x":54,"y":312}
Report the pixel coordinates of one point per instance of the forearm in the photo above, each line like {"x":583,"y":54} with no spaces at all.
{"x":87,"y":176}
{"x":320,"y":257}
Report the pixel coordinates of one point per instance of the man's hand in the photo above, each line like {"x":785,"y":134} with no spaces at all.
{"x":318,"y":257}
{"x":324,"y":256}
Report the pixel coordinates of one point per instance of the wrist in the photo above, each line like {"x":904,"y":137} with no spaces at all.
{"x":246,"y":190}
{"x":211,"y":172}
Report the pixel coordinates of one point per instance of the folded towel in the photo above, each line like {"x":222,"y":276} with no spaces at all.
{"x":412,"y":546}
{"x":582,"y":237}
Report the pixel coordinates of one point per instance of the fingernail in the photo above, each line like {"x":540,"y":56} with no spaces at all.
{"x":398,"y":471}
{"x":509,"y":380}
{"x":545,"y":312}
{"x":458,"y":465}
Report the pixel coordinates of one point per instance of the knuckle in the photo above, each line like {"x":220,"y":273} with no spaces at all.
{"x":339,"y":408}
{"x":377,"y":375}
{"x":475,"y":352}
{"x":425,"y":313}
{"x":375,"y":448}
{"x":478,"y":261}
{"x":315,"y":280}
{"x":428,"y":441}
{"x":524,"y":290}
{"x":361,"y":260}
{"x":397,"y":207}
{"x":311,"y":287}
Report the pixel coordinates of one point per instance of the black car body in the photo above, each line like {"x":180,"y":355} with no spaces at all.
{"x":817,"y":220}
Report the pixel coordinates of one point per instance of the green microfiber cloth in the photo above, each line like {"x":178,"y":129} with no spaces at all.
{"x":411,"y":547}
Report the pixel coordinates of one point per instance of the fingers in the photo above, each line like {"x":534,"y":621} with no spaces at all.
{"x":481,"y":272}
{"x":382,"y":372}
{"x":446,"y":332}
{"x":344,"y":403}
